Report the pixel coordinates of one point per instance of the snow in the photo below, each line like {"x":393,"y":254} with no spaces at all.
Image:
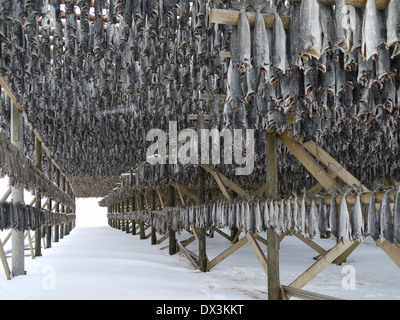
{"x":98,"y":262}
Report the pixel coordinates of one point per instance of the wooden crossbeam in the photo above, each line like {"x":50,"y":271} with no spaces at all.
{"x":392,"y":250}
{"x":162,"y":239}
{"x":231,"y":17}
{"x":310,"y":243}
{"x":310,"y":164}
{"x":306,"y":295}
{"x":6,"y":195}
{"x":4,"y":261}
{"x":321,"y":264}
{"x":183,"y":189}
{"x":332,"y":164}
{"x":225,"y":254}
{"x":189,"y":255}
{"x":258,"y":251}
{"x":160,"y":197}
{"x":227,"y":182}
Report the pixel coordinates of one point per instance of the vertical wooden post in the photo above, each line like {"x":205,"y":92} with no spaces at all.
{"x":127,"y":221}
{"x":153,"y":207}
{"x":121,"y":210}
{"x":48,"y":228}
{"x":172,"y":235}
{"x":141,"y":204}
{"x":272,"y":237}
{"x":57,"y":227}
{"x":18,"y":253}
{"x":201,"y":172}
{"x":38,"y":199}
{"x":133,"y":221}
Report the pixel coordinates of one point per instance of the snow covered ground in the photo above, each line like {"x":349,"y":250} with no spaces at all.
{"x":97,"y":262}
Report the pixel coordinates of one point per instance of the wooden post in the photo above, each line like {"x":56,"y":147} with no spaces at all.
{"x":133,"y":221}
{"x":18,"y":253}
{"x":141,"y":204}
{"x":48,"y":231}
{"x":38,"y":199}
{"x":57,"y":227}
{"x":153,"y":207}
{"x":201,"y":173}
{"x":172,"y":235}
{"x":271,"y":192}
{"x":127,"y":229}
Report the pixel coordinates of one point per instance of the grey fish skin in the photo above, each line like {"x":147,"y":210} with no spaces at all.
{"x":295,"y":214}
{"x":310,"y":29}
{"x":288,"y":214}
{"x":281,"y":221}
{"x":275,"y":221}
{"x":261,"y":50}
{"x":386,"y":219}
{"x":258,"y":216}
{"x":396,"y":216}
{"x":266,"y":219}
{"x":279,"y":45}
{"x":370,"y":36}
{"x":344,"y":231}
{"x":333,"y":217}
{"x":357,"y":223}
{"x":313,"y":230}
{"x":327,"y":21}
{"x":302,"y":220}
{"x":393,"y":24}
{"x":339,"y":17}
{"x":244,"y":41}
{"x":323,"y":217}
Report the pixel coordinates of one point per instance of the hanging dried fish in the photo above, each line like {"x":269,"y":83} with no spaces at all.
{"x":313,"y":230}
{"x":357,"y":219}
{"x":333,"y":226}
{"x":261,"y":50}
{"x":310,"y":30}
{"x":279,"y":45}
{"x":370,"y":39}
{"x":344,"y":230}
{"x":396,"y":215}
{"x":244,"y":41}
{"x":258,"y":216}
{"x":386,"y":219}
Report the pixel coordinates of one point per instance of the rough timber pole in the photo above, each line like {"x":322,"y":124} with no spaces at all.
{"x":133,"y":200}
{"x":57,"y":227}
{"x":38,"y":200}
{"x":202,"y":231}
{"x":18,"y":262}
{"x":172,"y":235}
{"x":153,"y":207}
{"x":141,"y":204}
{"x":272,"y":237}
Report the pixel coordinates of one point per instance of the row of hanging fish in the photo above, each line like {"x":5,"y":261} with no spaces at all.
{"x":93,"y":89}
{"x":311,"y":217}
{"x":22,"y":172}
{"x":21,"y":217}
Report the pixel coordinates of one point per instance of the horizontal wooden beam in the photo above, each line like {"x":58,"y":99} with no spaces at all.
{"x":231,"y":17}
{"x":306,"y":295}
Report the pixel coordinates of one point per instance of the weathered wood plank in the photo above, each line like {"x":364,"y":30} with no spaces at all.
{"x":231,"y":17}
{"x":321,"y":264}
{"x":225,"y":254}
{"x":310,"y":164}
{"x":258,"y":251}
{"x":307,"y":295}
